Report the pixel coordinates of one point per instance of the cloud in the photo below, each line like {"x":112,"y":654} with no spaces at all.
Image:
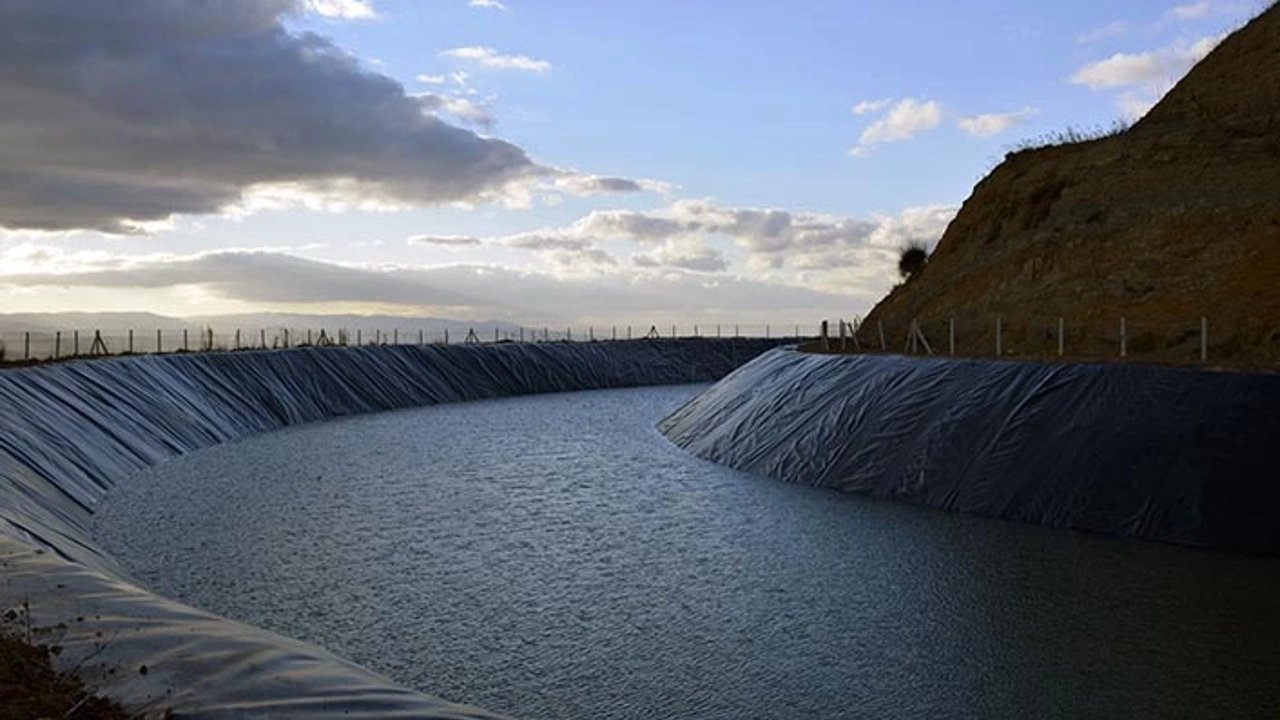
{"x":871,"y":106}
{"x":612,"y":294}
{"x":682,"y":235}
{"x":487,"y":4}
{"x":992,"y":124}
{"x":1144,"y":69}
{"x":1143,"y":78}
{"x":1191,"y":11}
{"x":118,"y":114}
{"x":687,"y":254}
{"x":445,"y":240}
{"x":489,"y":58}
{"x":343,"y":9}
{"x":903,"y":120}
{"x":432,"y":79}
{"x":462,"y":109}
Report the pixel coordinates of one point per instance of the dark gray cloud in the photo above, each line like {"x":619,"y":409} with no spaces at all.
{"x":117,"y":112}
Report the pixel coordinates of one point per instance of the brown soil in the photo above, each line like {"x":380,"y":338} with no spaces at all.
{"x":1175,"y":219}
{"x":31,"y":688}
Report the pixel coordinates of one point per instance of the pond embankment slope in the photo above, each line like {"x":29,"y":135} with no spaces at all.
{"x":1150,"y":452}
{"x":70,"y":432}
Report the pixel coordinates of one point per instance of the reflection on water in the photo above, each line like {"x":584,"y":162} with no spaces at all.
{"x":554,"y":557}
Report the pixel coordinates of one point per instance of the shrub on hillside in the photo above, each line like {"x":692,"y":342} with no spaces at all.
{"x":912,"y":259}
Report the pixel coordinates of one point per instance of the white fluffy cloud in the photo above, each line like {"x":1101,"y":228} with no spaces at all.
{"x":487,"y":4}
{"x":459,"y":107}
{"x":1143,"y":78}
{"x":901,"y":120}
{"x":992,"y":124}
{"x":698,"y":235}
{"x":344,"y":9}
{"x":489,"y":58}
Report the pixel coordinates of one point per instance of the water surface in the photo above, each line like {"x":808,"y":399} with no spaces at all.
{"x":554,"y":557}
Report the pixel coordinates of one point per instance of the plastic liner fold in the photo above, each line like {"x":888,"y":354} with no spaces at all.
{"x":70,"y":432}
{"x":1179,"y":455}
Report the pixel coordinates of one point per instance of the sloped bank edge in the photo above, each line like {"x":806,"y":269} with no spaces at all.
{"x":1170,"y":454}
{"x":70,"y":432}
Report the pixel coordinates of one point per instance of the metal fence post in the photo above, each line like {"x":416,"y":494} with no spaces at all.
{"x":951,"y":335}
{"x":75,"y":343}
{"x":1062,"y":337}
{"x":999,"y":336}
{"x":1204,"y":339}
{"x":1124,"y":338}
{"x":159,"y":342}
{"x":57,"y":344}
{"x":26,"y":346}
{"x":130,"y":341}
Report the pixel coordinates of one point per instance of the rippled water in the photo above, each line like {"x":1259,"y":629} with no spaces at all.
{"x":554,"y":557}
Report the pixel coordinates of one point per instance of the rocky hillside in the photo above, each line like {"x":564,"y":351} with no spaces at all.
{"x":1174,"y":219}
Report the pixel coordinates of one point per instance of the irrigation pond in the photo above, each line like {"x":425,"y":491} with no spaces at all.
{"x":553,"y":556}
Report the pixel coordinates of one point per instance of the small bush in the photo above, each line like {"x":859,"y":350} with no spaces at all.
{"x":912,"y":259}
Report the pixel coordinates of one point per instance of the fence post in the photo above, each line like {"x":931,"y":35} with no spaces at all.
{"x":591,"y":333}
{"x":159,"y":342}
{"x":628,"y":332}
{"x":797,"y":335}
{"x":495,"y":334}
{"x":262,"y":336}
{"x":999,"y":336}
{"x":825,"y":346}
{"x":1124,"y":338}
{"x":568,"y":334}
{"x":57,"y":344}
{"x":130,"y":341}
{"x":75,"y":343}
{"x":614,"y":332}
{"x":673,"y":332}
{"x":951,"y":336}
{"x":1062,"y":337}
{"x":1204,"y":339}
{"x":446,"y":336}
{"x":237,"y":338}
{"x":26,"y":346}
{"x":421,"y":337}
{"x":735,"y":331}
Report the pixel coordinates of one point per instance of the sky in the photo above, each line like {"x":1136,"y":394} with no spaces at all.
{"x":536,"y":161}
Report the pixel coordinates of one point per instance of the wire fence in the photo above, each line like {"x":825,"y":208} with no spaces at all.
{"x":36,"y":347}
{"x":1189,"y":341}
